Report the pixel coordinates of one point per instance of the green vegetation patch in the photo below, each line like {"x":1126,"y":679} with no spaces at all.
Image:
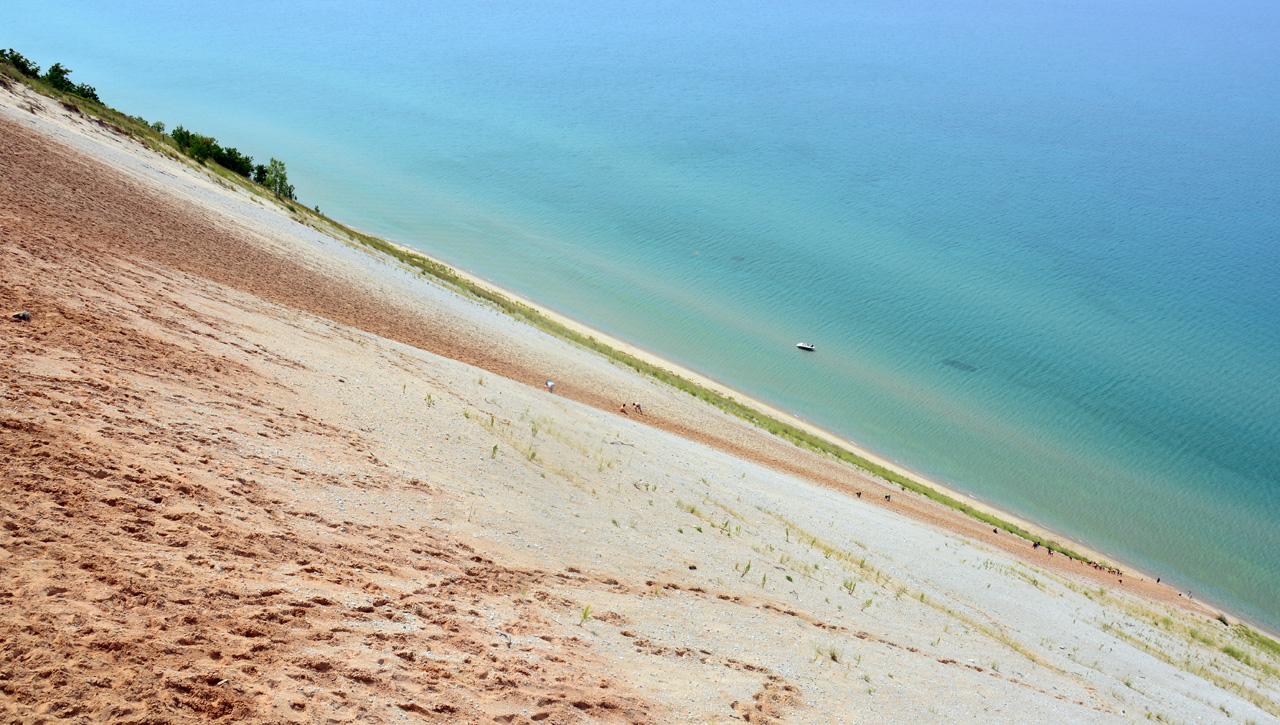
{"x":82,"y":98}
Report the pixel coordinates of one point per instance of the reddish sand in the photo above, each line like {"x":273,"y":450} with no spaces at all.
{"x":117,"y":501}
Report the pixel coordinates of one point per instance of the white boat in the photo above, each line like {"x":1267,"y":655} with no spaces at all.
{"x":805,"y":346}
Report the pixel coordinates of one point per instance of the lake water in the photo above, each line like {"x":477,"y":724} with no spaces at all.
{"x":1036,"y":243}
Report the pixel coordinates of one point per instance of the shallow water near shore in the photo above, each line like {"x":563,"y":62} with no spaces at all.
{"x":1036,"y":246}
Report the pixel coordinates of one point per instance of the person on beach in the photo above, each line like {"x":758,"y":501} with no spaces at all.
{"x":639,"y":409}
{"x":551,"y":386}
{"x":623,"y":409}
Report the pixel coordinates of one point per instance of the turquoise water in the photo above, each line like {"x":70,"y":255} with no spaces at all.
{"x":1037,"y":244}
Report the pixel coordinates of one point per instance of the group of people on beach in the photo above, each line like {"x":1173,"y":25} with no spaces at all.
{"x":1094,"y":564}
{"x":1099,"y":567}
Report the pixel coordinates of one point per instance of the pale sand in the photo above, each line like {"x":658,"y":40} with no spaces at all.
{"x":270,"y":521}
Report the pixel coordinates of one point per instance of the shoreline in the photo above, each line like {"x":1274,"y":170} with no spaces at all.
{"x":1092,"y":553}
{"x":612,"y":341}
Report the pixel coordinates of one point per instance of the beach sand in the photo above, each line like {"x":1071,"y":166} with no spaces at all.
{"x":255,"y":472}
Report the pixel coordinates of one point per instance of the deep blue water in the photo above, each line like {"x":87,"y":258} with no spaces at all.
{"x":1036,"y":243}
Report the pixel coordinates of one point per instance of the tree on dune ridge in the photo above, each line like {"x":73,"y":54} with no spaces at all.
{"x":277,"y":180}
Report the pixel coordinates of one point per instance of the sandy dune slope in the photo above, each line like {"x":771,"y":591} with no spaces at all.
{"x":253,"y":473}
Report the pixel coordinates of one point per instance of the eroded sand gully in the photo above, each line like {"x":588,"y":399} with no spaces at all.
{"x":235,"y":487}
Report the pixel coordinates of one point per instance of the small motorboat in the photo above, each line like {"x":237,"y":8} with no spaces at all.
{"x":805,"y":346}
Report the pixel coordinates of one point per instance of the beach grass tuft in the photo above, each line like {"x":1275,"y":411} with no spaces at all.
{"x":1259,"y":640}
